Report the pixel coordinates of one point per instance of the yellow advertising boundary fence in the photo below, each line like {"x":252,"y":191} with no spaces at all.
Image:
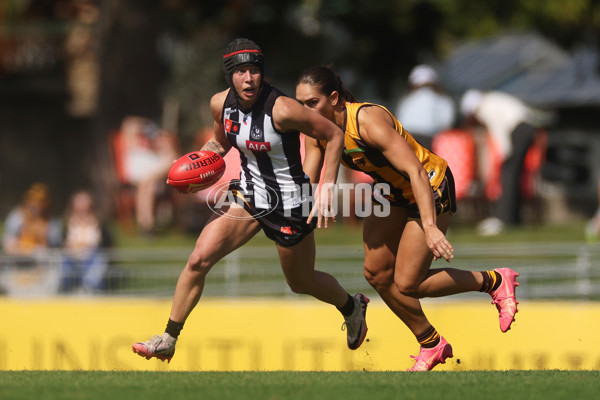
{"x":292,"y":335}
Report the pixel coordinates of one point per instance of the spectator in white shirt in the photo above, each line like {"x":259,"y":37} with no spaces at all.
{"x":426,"y":110}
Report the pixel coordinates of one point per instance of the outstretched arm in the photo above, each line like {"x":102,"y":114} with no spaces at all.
{"x":313,"y":159}
{"x":377,"y":129}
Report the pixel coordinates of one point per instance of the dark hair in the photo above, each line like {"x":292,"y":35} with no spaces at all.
{"x":326,"y":80}
{"x":242,"y":52}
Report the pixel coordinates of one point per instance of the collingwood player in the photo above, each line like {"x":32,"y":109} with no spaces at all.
{"x":264,"y":125}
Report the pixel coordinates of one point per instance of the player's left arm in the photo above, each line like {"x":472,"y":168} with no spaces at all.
{"x":377,"y":130}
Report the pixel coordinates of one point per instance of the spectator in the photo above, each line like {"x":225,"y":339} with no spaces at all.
{"x":85,"y":265}
{"x":29,"y":233}
{"x":28,"y":228}
{"x":511,"y":126}
{"x":148,"y":153}
{"x":426,"y":109}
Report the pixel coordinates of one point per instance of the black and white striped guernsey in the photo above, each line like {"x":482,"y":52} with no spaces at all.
{"x":270,"y":160}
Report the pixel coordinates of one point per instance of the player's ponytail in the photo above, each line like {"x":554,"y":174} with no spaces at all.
{"x":327,"y":81}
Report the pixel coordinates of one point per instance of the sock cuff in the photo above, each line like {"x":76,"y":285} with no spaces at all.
{"x":174,"y":328}
{"x":348,"y":308}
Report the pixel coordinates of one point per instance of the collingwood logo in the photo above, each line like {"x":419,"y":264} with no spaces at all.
{"x":256,"y":133}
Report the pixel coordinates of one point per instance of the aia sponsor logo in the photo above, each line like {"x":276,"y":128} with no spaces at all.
{"x":258,"y":146}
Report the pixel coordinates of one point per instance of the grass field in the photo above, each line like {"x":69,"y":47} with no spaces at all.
{"x":344,"y":232}
{"x":505,"y":385}
{"x":465,"y":385}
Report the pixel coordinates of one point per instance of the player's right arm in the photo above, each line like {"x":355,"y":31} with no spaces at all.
{"x":218,"y":143}
{"x":288,"y":115}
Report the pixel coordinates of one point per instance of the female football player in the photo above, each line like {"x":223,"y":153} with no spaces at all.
{"x":400,"y":247}
{"x":264,"y":125}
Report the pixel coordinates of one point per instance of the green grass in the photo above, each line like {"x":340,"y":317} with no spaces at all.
{"x":92,"y":385}
{"x":347,"y":233}
{"x":561,"y":233}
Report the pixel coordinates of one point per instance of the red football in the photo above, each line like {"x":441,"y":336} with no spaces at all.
{"x":197,"y":170}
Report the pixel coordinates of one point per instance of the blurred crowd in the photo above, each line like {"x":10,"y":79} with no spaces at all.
{"x":494,"y":144}
{"x":31,"y":233}
{"x":46,"y":254}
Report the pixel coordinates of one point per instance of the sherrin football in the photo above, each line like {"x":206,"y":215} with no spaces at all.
{"x":197,"y":170}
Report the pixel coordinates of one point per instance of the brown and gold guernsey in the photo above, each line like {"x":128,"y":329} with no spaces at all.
{"x":358,"y":156}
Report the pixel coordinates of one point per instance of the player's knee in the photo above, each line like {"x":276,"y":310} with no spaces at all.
{"x":198,"y":264}
{"x":378,"y":277}
{"x":299,"y":286}
{"x":407,"y":287}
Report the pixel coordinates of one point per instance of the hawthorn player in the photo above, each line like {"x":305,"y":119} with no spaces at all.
{"x":400,"y":247}
{"x":264,"y":125}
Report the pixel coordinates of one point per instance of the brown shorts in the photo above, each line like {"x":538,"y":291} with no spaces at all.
{"x":444,"y":198}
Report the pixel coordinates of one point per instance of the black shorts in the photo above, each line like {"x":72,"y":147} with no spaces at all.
{"x":444,"y":198}
{"x":286,"y":228}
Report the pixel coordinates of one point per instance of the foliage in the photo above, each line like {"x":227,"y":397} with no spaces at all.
{"x":568,"y":23}
{"x":374,"y":44}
